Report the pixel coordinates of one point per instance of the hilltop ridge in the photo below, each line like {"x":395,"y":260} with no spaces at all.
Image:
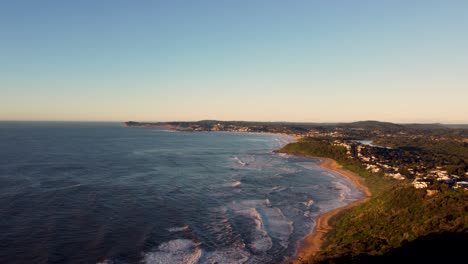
{"x":368,"y":124}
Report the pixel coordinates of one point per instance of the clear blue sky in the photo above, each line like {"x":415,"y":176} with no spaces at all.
{"x":330,"y":60}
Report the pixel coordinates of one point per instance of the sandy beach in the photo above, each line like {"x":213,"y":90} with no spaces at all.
{"x":314,"y":241}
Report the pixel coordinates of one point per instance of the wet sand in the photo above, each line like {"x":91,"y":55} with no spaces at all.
{"x":314,"y":241}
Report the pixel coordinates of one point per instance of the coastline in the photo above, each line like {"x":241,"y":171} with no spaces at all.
{"x":313,"y":242}
{"x":293,"y":138}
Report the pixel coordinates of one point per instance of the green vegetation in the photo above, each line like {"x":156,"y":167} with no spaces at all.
{"x":393,"y":218}
{"x":313,"y":147}
{"x":396,"y":215}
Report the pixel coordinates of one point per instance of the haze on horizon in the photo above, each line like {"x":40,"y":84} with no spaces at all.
{"x":305,"y":61}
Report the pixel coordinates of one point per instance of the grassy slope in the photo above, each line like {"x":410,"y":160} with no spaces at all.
{"x":396,"y":214}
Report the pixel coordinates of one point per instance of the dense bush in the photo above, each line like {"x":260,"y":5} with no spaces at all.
{"x":395,"y":218}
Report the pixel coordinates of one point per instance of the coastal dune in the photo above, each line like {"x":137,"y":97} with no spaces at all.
{"x":313,"y":242}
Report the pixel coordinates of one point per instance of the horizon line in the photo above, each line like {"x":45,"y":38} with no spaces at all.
{"x":220,"y":120}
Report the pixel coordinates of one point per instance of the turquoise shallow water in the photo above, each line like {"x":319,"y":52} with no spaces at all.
{"x":91,"y":192}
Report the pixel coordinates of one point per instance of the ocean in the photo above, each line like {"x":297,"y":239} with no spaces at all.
{"x":104,"y":193}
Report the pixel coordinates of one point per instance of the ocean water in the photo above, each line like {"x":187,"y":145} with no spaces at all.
{"x":104,"y":193}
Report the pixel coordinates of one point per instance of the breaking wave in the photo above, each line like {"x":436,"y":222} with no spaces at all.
{"x":277,"y":189}
{"x":228,"y":255}
{"x":235,"y":184}
{"x":239,"y":161}
{"x":178,"y":229}
{"x":176,"y":251}
{"x":308,"y":203}
{"x":344,"y":190}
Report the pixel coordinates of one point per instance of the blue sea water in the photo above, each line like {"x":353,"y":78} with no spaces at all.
{"x":104,"y":193}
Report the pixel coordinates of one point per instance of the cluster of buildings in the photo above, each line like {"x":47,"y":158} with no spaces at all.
{"x":241,"y":128}
{"x":441,"y":176}
{"x":216,"y":127}
{"x":421,"y":179}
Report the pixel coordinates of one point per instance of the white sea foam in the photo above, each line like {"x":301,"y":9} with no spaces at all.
{"x":229,"y":255}
{"x":70,"y":186}
{"x":260,"y":240}
{"x":269,"y":221}
{"x":167,"y":131}
{"x":277,"y":189}
{"x":235,"y":184}
{"x":178,"y":229}
{"x":344,"y":190}
{"x":331,"y":174}
{"x":239,"y":161}
{"x":308,"y":203}
{"x":177,"y":251}
{"x":284,"y":140}
{"x":276,"y":224}
{"x":308,"y":165}
{"x":286,"y":169}
{"x":256,"y":217}
{"x":232,"y":184}
{"x":223,"y":233}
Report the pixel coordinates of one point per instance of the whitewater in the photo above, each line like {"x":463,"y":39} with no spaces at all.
{"x":103,"y":193}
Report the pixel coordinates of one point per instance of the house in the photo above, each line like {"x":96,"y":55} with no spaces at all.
{"x":421,"y":183}
{"x":461,"y":184}
{"x":397,"y":176}
{"x":372,"y":168}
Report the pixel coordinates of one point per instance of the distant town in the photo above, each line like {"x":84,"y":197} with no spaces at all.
{"x":426,"y":154}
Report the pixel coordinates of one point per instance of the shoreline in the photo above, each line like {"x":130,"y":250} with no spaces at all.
{"x":313,"y":242}
{"x":175,"y":129}
{"x":293,"y":138}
